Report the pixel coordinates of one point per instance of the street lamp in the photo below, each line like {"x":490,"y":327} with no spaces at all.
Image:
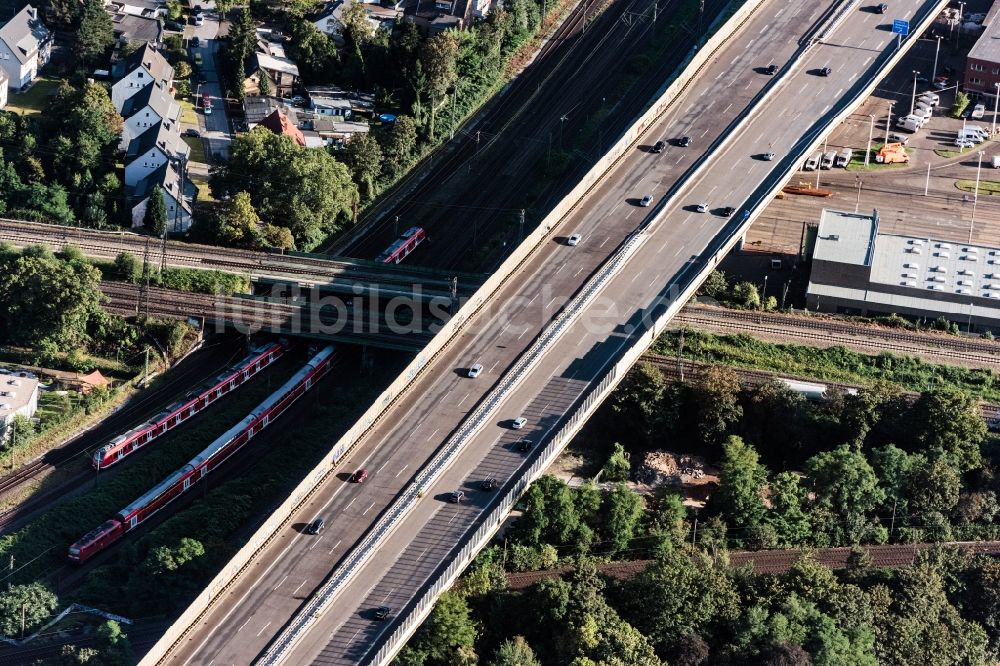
{"x":871,"y":131}
{"x":975,"y":198}
{"x":859,"y":182}
{"x":937,"y":50}
{"x":996,"y":103}
{"x":913,"y":99}
{"x":888,"y":122}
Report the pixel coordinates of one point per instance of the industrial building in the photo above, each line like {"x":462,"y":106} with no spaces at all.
{"x":857,"y":270}
{"x":18,"y":397}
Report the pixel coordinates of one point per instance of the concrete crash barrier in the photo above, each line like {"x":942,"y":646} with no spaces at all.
{"x":661,"y":103}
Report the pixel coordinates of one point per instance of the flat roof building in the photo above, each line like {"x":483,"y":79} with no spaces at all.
{"x":18,"y":397}
{"x":857,"y":270}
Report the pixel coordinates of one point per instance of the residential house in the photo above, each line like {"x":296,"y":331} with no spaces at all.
{"x":330,"y":21}
{"x":145,"y":109}
{"x":3,"y":89}
{"x":333,"y":101}
{"x":282,"y":74}
{"x":152,"y":149}
{"x":140,"y":69}
{"x":25,"y":47}
{"x":279,"y":123}
{"x":168,"y":177}
{"x":334,"y":131}
{"x":137,"y":20}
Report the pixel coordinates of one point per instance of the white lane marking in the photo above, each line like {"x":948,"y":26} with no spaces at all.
{"x":300,"y":585}
{"x":522,"y":334}
{"x":726,"y":110}
{"x":368,"y":509}
{"x":495,"y":364}
{"x":561,"y":266}
{"x":330,"y":552}
{"x":578,"y":270}
{"x":837,"y":94}
{"x":282,"y":581}
{"x":762,"y":30}
{"x":401,"y":470}
{"x":465,"y":398}
{"x":721,"y":73}
{"x":453,"y":519}
{"x":603,"y":243}
{"x":549,"y":306}
{"x":315,"y":543}
{"x":245,"y":623}
{"x":383,"y":466}
{"x":432,"y":435}
{"x":350,"y":503}
{"x":263,"y":628}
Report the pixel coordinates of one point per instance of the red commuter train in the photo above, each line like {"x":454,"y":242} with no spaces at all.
{"x":403,"y":246}
{"x":175,"y":414}
{"x":198,"y":467}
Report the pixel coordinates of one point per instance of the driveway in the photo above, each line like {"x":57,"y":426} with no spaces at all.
{"x":215,"y":128}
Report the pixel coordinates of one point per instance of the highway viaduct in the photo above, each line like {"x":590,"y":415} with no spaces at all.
{"x":635,"y":266}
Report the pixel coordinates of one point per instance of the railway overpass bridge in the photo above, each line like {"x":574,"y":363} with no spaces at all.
{"x":555,"y":330}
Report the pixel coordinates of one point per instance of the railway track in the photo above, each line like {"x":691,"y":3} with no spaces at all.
{"x":190,"y":372}
{"x":107,"y":245}
{"x":978,"y":352}
{"x":894,"y":556}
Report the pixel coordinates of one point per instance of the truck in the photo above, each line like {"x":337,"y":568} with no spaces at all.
{"x":828,"y":160}
{"x":813,"y":162}
{"x":892,"y":153}
{"x":844,"y":158}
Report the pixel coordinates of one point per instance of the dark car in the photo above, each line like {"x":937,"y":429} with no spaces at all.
{"x":173,"y":25}
{"x":727,"y":211}
{"x":192,"y":132}
{"x":316,"y":526}
{"x":525,"y":445}
{"x":360,"y":476}
{"x":659,"y":146}
{"x":881,"y":8}
{"x":195,"y":41}
{"x":197,"y":9}
{"x":489,"y":483}
{"x":382,"y":612}
{"x":771,"y":69}
{"x":968,"y":112}
{"x":826,"y":71}
{"x":684,"y":141}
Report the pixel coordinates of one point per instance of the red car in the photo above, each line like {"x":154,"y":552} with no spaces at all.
{"x":360,"y":476}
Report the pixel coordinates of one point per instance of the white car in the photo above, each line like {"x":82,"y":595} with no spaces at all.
{"x":518,"y":423}
{"x":768,"y":156}
{"x":702,"y":207}
{"x":646,"y":200}
{"x":574,"y":239}
{"x":964,"y":143}
{"x":475,"y":370}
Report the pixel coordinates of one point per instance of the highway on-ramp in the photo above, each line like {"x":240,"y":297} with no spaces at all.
{"x":252,"y":611}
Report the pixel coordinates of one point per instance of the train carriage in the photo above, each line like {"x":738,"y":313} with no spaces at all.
{"x":403,"y":246}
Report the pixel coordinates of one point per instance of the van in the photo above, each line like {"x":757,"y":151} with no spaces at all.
{"x":969,"y":135}
{"x":828,"y":160}
{"x":813,"y":162}
{"x":923,"y":109}
{"x":933,"y":99}
{"x":316,"y":526}
{"x":910,"y":123}
{"x":844,"y":158}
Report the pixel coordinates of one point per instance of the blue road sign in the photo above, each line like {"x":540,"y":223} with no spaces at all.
{"x":901,"y":27}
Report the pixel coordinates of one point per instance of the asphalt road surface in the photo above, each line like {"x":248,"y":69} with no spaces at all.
{"x":248,"y":615}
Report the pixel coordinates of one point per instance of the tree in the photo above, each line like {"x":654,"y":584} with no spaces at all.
{"x":785,"y":654}
{"x":449,"y":626}
{"x":949,"y":424}
{"x":304,"y":190}
{"x":716,"y":394}
{"x":263,"y":84}
{"x":128,"y":267}
{"x":155,"y":217}
{"x":892,"y":467}
{"x":315,"y":53}
{"x":118,"y":649}
{"x":624,"y":509}
{"x":515,"y":652}
{"x":399,"y":146}
{"x":277,"y":237}
{"x":933,"y":486}
{"x":438,"y":58}
{"x":33,"y":603}
{"x":357,"y":28}
{"x":638,"y":400}
{"x":745,"y":295}
{"x":844,"y":482}
{"x":690,"y":650}
{"x":364,"y":156}
{"x":617,"y":467}
{"x":43,"y":298}
{"x":242,"y":38}
{"x":163,"y":559}
{"x":237,"y":221}
{"x":741,"y":482}
{"x":787,"y":516}
{"x":715,"y":285}
{"x":96,"y":32}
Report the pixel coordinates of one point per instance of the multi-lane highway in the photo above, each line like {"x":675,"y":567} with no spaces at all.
{"x":251,"y":612}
